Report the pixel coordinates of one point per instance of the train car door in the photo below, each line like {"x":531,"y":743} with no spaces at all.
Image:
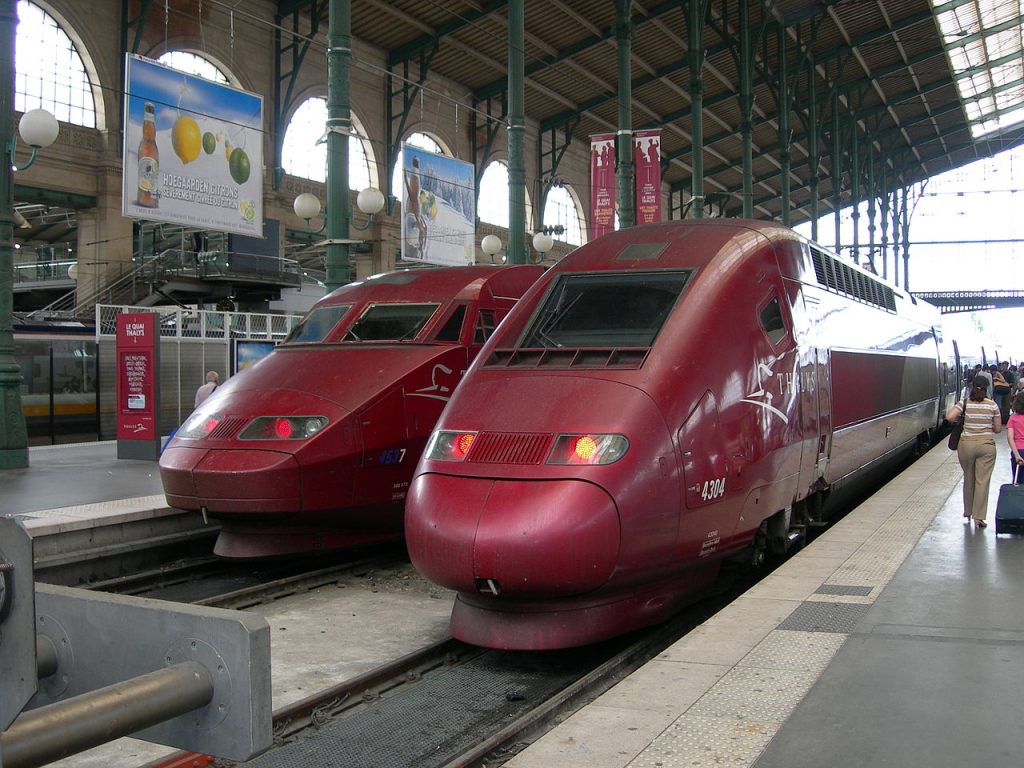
{"x":823,"y":395}
{"x":815,"y":414}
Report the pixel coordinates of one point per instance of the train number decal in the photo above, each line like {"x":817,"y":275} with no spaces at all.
{"x":391,"y":457}
{"x":713,"y":489}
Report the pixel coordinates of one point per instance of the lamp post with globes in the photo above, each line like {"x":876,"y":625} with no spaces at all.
{"x":542,"y":243}
{"x":307,"y":206}
{"x":38,"y":129}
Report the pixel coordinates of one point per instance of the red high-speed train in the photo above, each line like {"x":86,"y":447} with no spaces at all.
{"x":313,"y":447}
{"x":664,"y":397}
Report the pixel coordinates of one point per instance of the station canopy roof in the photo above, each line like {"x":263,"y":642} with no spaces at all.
{"x":930,"y":85}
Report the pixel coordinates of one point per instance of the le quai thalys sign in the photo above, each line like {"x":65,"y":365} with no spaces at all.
{"x":138,"y":353}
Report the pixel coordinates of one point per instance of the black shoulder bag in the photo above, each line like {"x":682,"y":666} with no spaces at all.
{"x":958,"y":427}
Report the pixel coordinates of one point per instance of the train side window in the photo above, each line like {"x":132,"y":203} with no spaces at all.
{"x":772,"y":322}
{"x":452,"y":328}
{"x":391,"y":322}
{"x":485,"y":325}
{"x":316,"y":325}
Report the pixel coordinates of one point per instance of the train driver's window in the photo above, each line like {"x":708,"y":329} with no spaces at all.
{"x":391,"y":322}
{"x":616,"y":309}
{"x":486,"y":322}
{"x":316,"y":325}
{"x":772,"y":322}
{"x":452,"y":328}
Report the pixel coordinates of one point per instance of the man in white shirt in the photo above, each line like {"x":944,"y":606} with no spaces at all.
{"x":212,"y":380}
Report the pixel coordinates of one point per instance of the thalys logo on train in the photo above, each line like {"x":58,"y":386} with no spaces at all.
{"x":442,"y":382}
{"x":765,"y":376}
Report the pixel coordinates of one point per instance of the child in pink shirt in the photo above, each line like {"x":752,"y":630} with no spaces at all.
{"x":1015,"y":437}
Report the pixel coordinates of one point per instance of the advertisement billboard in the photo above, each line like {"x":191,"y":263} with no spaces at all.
{"x":193,"y":151}
{"x":602,"y":184}
{"x":438,"y":208}
{"x":647,"y":154}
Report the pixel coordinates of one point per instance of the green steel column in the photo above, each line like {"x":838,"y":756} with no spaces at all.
{"x":625,"y":173}
{"x":812,"y":110}
{"x":905,"y":232}
{"x":13,"y":436}
{"x":884,"y":218}
{"x":516,"y":133}
{"x":872,"y":212}
{"x":339,"y":123}
{"x":855,"y":189}
{"x":696,"y":51}
{"x":785,"y":135}
{"x":837,"y":166}
{"x":746,"y":109}
{"x":896,"y":233}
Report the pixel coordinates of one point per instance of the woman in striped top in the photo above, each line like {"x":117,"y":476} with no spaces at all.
{"x":977,"y":448}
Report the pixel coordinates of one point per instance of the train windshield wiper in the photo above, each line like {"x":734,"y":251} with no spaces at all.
{"x":543,"y":332}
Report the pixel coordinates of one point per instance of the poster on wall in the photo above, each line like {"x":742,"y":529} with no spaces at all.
{"x":647,"y":157}
{"x":602,"y":184}
{"x":438,"y":208}
{"x":248,"y":353}
{"x":193,"y":151}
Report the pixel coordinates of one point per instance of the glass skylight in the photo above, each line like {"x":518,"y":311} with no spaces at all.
{"x":984,"y":40}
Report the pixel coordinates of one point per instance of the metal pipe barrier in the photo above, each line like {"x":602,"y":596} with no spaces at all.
{"x":46,"y":657}
{"x":65,"y":728}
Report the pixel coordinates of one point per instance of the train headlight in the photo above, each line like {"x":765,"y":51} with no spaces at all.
{"x":199,"y":425}
{"x":588,"y":449}
{"x":283,"y":427}
{"x":450,"y":445}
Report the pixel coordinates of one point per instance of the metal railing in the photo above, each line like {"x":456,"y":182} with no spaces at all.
{"x":182,"y":323}
{"x":141,"y":279}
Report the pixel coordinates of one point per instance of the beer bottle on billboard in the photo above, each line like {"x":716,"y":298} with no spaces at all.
{"x":149,"y":161}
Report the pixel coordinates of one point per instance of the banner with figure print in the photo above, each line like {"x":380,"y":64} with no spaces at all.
{"x":647,"y":158}
{"x":438,"y":208}
{"x":602,"y":184}
{"x":193,"y":151}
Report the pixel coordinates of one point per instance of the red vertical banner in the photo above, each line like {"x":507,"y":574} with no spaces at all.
{"x":137,"y":370}
{"x":647,"y":157}
{"x":602,"y":184}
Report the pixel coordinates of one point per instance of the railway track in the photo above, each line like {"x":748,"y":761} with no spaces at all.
{"x":450,"y":704}
{"x":442,"y":706}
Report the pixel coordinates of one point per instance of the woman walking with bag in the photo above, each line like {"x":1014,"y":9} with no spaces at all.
{"x":977,"y":448}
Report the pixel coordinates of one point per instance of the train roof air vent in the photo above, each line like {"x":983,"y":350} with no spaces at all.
{"x":641,"y":251}
{"x":568,"y":359}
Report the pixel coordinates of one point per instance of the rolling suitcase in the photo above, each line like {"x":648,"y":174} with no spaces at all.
{"x":1010,"y":507}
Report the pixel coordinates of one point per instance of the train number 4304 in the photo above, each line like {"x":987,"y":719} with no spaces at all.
{"x":713,"y":489}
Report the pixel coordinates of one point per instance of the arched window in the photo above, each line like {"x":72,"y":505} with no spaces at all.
{"x":193,"y":64}
{"x":561,"y":208}
{"x":492,"y":205}
{"x":49,"y":72}
{"x":304,"y":150}
{"x":420,"y":141}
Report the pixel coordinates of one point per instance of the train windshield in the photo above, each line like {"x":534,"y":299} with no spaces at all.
{"x":620,"y":309}
{"x":391,"y":322}
{"x":316,"y":325}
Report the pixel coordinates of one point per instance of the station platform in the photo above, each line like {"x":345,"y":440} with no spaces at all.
{"x":895,"y":639}
{"x":66,"y":477}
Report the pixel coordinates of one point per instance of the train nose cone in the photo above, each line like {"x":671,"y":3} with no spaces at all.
{"x":514,"y":538}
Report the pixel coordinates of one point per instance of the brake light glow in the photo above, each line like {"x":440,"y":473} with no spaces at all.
{"x":450,"y":445}
{"x":282,"y":428}
{"x":591,"y":449}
